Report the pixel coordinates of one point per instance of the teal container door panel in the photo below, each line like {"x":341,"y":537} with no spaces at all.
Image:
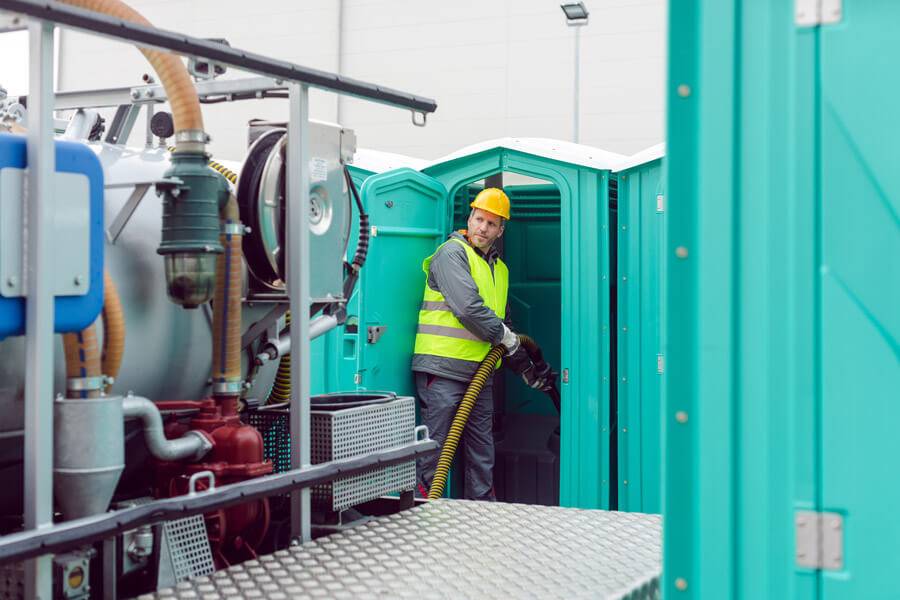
{"x":408,"y":218}
{"x":860,"y":294}
{"x":640,"y":270}
{"x":739,"y":414}
{"x":584,"y":461}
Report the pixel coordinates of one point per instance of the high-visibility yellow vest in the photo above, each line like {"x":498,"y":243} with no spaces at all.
{"x":440,"y":333}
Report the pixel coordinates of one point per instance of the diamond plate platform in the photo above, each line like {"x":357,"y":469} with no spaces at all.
{"x":458,"y":549}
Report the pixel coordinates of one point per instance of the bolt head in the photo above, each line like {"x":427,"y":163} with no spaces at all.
{"x":684,"y":90}
{"x":681,"y":584}
{"x":681,"y":416}
{"x":681,"y":252}
{"x":135,"y":94}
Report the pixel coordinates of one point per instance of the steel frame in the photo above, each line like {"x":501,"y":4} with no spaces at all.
{"x":38,"y":432}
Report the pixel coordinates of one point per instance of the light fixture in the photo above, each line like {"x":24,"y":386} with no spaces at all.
{"x":576,"y":13}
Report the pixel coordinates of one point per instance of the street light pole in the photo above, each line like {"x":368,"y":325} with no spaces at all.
{"x":577,"y":17}
{"x":576,"y":125}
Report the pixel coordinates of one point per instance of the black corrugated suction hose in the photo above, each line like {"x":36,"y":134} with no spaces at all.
{"x":448,"y":450}
{"x":482,"y":374}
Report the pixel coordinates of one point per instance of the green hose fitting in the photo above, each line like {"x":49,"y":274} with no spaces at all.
{"x":193,"y":194}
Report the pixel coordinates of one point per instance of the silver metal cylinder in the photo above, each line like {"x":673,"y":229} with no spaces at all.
{"x":193,"y":445}
{"x":88,"y":454}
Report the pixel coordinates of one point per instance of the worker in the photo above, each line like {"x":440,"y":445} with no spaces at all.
{"x":463,"y":314}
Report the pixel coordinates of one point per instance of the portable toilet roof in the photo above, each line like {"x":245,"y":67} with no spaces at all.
{"x":643,"y":157}
{"x":562,"y":151}
{"x":377,"y":161}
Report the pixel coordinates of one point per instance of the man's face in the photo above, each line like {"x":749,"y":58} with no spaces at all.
{"x":484,"y":228}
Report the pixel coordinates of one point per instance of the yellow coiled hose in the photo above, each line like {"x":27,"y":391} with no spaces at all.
{"x":281,"y":389}
{"x":485,"y":370}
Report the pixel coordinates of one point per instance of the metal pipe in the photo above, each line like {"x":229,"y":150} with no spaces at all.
{"x":233,"y":57}
{"x":298,"y":286}
{"x":281,"y":346}
{"x":38,"y":224}
{"x":77,"y":532}
{"x":193,"y":445}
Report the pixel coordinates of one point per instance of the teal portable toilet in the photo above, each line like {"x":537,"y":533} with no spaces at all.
{"x":559,"y":259}
{"x":783,"y":285}
{"x":639,"y":359}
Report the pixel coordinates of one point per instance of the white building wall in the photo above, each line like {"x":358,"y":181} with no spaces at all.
{"x":496,"y":67}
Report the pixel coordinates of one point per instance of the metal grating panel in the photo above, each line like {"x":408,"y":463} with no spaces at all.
{"x":12,"y":581}
{"x":359,"y":431}
{"x":342,"y":434}
{"x":459,"y":549}
{"x":189,"y":547}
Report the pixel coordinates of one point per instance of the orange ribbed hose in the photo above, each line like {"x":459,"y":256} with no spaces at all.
{"x":113,"y":328}
{"x":82,"y":357}
{"x":227,"y":301}
{"x":172,"y":73}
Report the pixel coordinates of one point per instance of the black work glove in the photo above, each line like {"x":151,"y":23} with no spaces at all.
{"x":521,"y":364}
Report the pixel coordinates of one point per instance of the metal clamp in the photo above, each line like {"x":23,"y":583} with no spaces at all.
{"x":227,"y":387}
{"x":209,"y":476}
{"x":85,"y":384}
{"x":420,"y":433}
{"x":234,"y":229}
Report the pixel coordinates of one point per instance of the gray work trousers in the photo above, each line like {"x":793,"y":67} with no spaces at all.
{"x":438,"y":400}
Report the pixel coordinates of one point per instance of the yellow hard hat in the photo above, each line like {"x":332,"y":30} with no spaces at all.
{"x":493,"y":200}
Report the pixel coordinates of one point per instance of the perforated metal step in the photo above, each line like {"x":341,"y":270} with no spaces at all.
{"x":459,"y":549}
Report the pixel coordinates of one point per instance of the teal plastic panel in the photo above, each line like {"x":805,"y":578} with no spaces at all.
{"x":740,"y":412}
{"x":408,"y":215}
{"x":584,"y":307}
{"x":859,"y":294}
{"x":640,"y":241}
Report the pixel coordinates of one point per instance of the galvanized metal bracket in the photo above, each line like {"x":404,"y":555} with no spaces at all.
{"x":819,"y":540}
{"x":375,"y":332}
{"x":121,"y":220}
{"x":811,"y":13}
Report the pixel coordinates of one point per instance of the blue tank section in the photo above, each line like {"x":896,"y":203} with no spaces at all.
{"x":71,"y":313}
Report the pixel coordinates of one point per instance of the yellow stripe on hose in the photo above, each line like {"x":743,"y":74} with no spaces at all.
{"x":281,"y":389}
{"x":485,"y":370}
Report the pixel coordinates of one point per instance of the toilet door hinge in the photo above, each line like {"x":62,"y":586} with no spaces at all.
{"x":811,"y":13}
{"x":819,"y":540}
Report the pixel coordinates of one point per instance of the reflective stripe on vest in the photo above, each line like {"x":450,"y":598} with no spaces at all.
{"x":440,"y":333}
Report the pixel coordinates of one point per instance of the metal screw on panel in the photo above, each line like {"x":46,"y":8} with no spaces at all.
{"x":624,"y":379}
{"x":624,"y":227}
{"x":624,"y":430}
{"x":681,"y":252}
{"x":135,"y":94}
{"x":389,"y":203}
{"x":684,"y":90}
{"x":150,"y":93}
{"x":625,"y":482}
{"x":77,"y":280}
{"x":11,"y":281}
{"x":681,"y":416}
{"x":624,"y":278}
{"x":681,"y":584}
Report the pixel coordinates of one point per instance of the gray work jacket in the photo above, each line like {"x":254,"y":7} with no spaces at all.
{"x":450,"y":275}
